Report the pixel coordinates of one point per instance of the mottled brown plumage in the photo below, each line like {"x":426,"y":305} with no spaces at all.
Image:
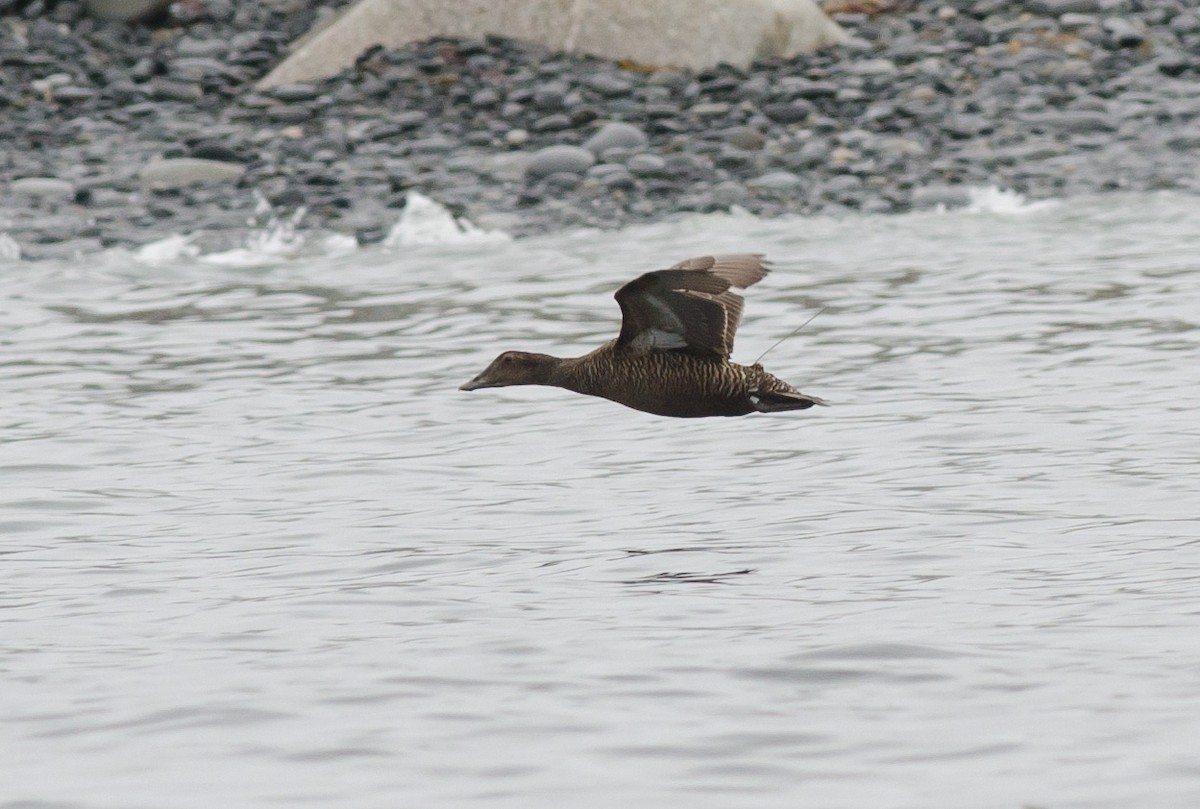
{"x":672,"y":355}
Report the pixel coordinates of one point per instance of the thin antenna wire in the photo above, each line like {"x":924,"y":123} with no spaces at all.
{"x":793,"y":333}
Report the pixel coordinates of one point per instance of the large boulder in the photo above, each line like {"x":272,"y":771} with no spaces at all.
{"x":660,"y":33}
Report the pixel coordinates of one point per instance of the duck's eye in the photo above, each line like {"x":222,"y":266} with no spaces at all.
{"x":506,"y":359}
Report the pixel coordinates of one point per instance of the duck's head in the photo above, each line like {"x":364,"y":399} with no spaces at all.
{"x":515,"y":368}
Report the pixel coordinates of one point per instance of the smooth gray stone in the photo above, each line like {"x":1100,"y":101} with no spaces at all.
{"x":709,"y":109}
{"x":195,"y":68}
{"x":556,"y":159}
{"x":965,"y":126}
{"x":1074,"y":71}
{"x":561,"y":181}
{"x":289,"y":114}
{"x":602,"y":170}
{"x":178,"y":172}
{"x":620,"y":180}
{"x":646,"y":165}
{"x":1074,"y":121}
{"x":1174,"y":63}
{"x":973,"y":32}
{"x":727,"y":193}
{"x":873,"y":67}
{"x":1186,"y":23}
{"x":1073,"y":20}
{"x":797,"y":87}
{"x":43,"y":188}
{"x":1122,"y":33}
{"x":608,"y":85}
{"x":166,"y":90}
{"x":289,"y":93}
{"x":616,"y":135}
{"x":1028,"y":152}
{"x":549,"y":97}
{"x":213,"y":150}
{"x":188,"y":46}
{"x":782,"y":181}
{"x":788,"y":112}
{"x":1056,"y":8}
{"x":812,"y":153}
{"x":842,"y":184}
{"x":733,"y":159}
{"x":744,"y":137}
{"x":73,"y":94}
{"x":434,"y":144}
{"x":552,"y":123}
{"x":408,"y":119}
{"x":485,"y":97}
{"x":687,"y":165}
{"x":124,"y":9}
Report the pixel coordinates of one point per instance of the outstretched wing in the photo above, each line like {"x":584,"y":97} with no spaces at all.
{"x":689,"y":307}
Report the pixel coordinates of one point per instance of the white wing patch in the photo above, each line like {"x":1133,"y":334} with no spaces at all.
{"x":651,"y":339}
{"x":665,"y":312}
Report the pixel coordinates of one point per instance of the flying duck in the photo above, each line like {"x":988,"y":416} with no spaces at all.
{"x":672,"y":355}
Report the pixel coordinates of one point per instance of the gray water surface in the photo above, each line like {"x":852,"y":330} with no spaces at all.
{"x":256,"y":549}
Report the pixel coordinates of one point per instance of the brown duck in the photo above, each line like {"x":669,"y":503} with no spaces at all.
{"x":672,"y":355}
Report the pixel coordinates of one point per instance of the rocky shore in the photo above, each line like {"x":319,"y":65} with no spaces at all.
{"x":117,"y":134}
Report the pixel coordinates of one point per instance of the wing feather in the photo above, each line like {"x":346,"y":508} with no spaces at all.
{"x":691,"y":300}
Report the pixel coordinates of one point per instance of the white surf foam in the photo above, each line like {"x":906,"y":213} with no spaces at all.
{"x":424,"y":221}
{"x":9,"y":249}
{"x":277,"y":239}
{"x":1003,"y":201}
{"x":173,"y":248}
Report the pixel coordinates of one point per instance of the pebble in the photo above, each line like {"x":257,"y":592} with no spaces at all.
{"x":727,"y":193}
{"x":709,"y":109}
{"x":558,"y":159}
{"x":788,"y":112}
{"x":616,"y":135}
{"x":744,"y":137}
{"x":1073,"y":121}
{"x":561,"y":181}
{"x":841,"y":184}
{"x":608,"y":85}
{"x":1056,"y":8}
{"x":614,"y":177}
{"x":796,"y":87}
{"x":213,"y":150}
{"x":289,"y":93}
{"x":811,"y":153}
{"x":48,"y":188}
{"x":162,"y":173}
{"x":873,"y":67}
{"x":551,"y":123}
{"x":486,"y":98}
{"x":646,"y":165}
{"x":1122,"y":34}
{"x":781,"y":181}
{"x":168,"y":90}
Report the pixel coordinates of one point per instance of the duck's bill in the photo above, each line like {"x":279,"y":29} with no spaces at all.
{"x":476,"y":383}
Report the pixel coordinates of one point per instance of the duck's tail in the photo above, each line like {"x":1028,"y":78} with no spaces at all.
{"x":778,"y":401}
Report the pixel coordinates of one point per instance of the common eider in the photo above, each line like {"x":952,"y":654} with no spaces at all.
{"x":672,"y":355}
